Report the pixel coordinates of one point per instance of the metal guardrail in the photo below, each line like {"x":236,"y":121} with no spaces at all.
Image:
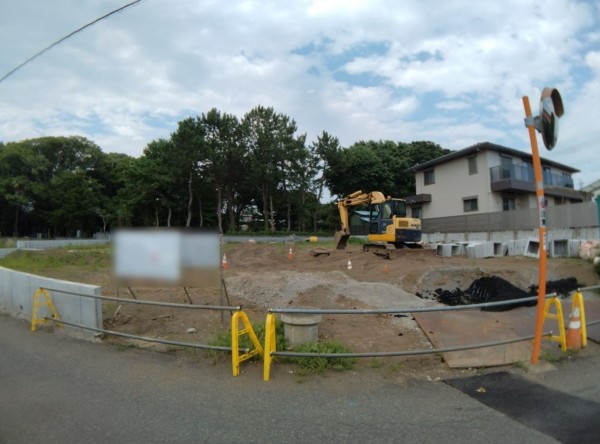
{"x":147,"y":339}
{"x":270,"y":349}
{"x":144,"y":302}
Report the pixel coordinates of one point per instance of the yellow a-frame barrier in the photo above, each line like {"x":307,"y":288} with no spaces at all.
{"x":236,"y":358}
{"x":48,"y":303}
{"x":270,"y":345}
{"x":578,"y":301}
{"x":558,"y":316}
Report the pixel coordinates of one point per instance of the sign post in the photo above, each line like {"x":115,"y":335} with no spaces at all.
{"x":551,"y":108}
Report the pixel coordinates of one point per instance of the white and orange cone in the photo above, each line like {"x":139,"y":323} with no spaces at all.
{"x":291,"y":254}
{"x":574,"y":330}
{"x":385,"y":268}
{"x":224,"y":263}
{"x":349,"y":264}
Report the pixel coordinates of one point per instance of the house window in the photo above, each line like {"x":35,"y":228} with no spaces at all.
{"x":547,"y":172}
{"x":472,"y":165}
{"x":507,"y":167}
{"x":470,"y":204}
{"x":508,"y":203}
{"x":429,"y":177}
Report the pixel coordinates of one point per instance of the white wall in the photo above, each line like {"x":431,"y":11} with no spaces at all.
{"x":16,"y":298}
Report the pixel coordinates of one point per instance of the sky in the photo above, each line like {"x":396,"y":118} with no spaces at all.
{"x":450,"y":72}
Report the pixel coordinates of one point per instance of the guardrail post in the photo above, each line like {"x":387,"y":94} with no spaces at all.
{"x":270,"y":345}
{"x":236,"y":358}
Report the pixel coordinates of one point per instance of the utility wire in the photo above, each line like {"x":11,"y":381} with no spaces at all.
{"x":66,"y":37}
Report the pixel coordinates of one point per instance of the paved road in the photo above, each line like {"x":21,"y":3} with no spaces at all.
{"x":58,"y":389}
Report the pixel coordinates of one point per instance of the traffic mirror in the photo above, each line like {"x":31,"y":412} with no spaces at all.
{"x":551,"y":109}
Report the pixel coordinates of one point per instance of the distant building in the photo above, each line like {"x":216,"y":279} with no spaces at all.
{"x":592,"y":189}
{"x":487,"y":178}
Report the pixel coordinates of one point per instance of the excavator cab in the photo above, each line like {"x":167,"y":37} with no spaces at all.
{"x":388,"y":224}
{"x":382,"y":214}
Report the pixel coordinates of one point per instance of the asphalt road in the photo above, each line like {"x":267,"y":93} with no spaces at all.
{"x":57,"y":389}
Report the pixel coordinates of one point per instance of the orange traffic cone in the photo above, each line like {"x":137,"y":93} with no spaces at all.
{"x":224,"y":263}
{"x":291,"y":254}
{"x":349,"y":264}
{"x":385,"y":268}
{"x":574,"y":330}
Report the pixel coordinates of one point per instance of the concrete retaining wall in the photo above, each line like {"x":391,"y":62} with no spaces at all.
{"x":6,"y":251}
{"x":506,"y":236}
{"x":59,"y":243}
{"x":16,"y":298}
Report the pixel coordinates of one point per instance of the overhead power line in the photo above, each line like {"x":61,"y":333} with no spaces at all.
{"x":11,"y":72}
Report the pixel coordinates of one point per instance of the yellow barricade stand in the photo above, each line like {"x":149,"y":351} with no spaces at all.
{"x":270,"y":345}
{"x":558,"y":316}
{"x":236,"y":358}
{"x":48,"y":303}
{"x":578,"y":301}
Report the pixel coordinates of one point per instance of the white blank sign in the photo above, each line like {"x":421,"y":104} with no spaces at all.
{"x":147,"y":254}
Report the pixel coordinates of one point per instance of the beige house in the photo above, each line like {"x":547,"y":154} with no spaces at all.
{"x":487,"y":178}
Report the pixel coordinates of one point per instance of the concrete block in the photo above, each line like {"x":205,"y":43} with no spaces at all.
{"x":559,"y":248}
{"x":444,"y":250}
{"x":517,"y":247}
{"x":574,"y":247}
{"x":500,"y":249}
{"x":462,"y":249}
{"x":533,"y":248}
{"x":480,"y":250}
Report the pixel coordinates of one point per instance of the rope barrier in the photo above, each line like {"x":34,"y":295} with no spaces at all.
{"x":143,"y":302}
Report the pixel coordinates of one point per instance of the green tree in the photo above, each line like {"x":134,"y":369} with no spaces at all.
{"x":268,"y":136}
{"x":225,"y":163}
{"x":323,"y":152}
{"x":188,"y":155}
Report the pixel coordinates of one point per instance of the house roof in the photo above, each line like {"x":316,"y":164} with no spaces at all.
{"x":488,"y":146}
{"x":594,"y":186}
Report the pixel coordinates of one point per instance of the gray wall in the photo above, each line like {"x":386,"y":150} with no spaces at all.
{"x":16,"y":298}
{"x":568,"y":216}
{"x":59,"y":243}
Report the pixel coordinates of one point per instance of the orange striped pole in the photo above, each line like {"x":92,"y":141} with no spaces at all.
{"x":539,"y":191}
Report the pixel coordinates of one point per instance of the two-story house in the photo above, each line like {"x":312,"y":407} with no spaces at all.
{"x":486,"y":178}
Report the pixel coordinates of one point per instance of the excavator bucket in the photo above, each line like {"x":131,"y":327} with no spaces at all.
{"x":341,"y":239}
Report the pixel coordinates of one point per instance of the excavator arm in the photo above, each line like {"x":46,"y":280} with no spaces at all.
{"x":356,"y":198}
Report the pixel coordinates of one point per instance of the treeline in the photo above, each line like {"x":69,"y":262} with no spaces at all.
{"x":215,"y":170}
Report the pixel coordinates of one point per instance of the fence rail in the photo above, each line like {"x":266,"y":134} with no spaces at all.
{"x":144,"y":302}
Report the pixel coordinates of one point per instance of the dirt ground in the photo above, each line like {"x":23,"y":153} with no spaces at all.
{"x":262,"y":276}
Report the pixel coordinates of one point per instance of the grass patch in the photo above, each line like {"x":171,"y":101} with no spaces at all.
{"x":554,"y":356}
{"x":318,"y":365}
{"x":85,"y":259}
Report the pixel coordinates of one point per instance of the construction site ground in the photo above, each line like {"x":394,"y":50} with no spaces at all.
{"x":263,"y":276}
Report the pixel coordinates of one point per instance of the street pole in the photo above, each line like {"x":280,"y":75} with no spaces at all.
{"x":539,"y":191}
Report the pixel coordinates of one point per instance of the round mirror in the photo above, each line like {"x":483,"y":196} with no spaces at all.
{"x":551,"y":109}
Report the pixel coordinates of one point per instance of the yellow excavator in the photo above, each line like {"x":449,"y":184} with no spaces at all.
{"x":389,"y":228}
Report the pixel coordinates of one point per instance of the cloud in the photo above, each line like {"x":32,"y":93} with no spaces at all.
{"x":454,"y":73}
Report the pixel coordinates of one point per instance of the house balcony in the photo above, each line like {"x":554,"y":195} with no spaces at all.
{"x":521,"y":180}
